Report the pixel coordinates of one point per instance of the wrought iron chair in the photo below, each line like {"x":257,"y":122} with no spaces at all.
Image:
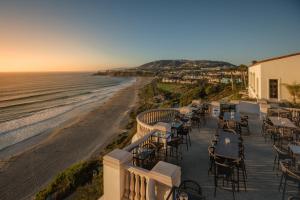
{"x":224,"y":171}
{"x":189,"y":187}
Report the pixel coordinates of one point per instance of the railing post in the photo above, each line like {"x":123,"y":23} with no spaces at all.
{"x":166,"y":175}
{"x":137,"y":187}
{"x":114,"y":174}
{"x":131,"y":194}
{"x":143,"y":188}
{"x":127,"y":185}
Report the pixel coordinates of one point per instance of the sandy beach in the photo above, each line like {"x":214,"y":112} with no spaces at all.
{"x":23,"y":174}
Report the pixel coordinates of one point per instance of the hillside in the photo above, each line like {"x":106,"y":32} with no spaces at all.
{"x":186,"y":64}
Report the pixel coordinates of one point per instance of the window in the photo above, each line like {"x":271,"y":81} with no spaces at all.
{"x":273,"y":89}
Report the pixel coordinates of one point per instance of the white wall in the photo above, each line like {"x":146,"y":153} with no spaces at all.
{"x":286,"y":70}
{"x":254,"y":88}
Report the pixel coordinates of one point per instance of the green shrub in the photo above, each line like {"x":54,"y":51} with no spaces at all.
{"x":67,"y":181}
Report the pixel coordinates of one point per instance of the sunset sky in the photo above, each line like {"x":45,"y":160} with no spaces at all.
{"x":89,"y":35}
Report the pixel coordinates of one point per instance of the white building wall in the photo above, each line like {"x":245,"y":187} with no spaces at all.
{"x":254,"y":86}
{"x":286,"y":70}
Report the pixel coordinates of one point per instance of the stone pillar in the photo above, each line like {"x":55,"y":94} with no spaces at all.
{"x":166,"y":175}
{"x":114,"y":174}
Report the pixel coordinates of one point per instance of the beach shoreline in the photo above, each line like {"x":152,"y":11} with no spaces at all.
{"x":23,"y":174}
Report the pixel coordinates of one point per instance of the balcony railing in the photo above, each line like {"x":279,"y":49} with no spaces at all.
{"x":146,"y":120}
{"x":125,"y":181}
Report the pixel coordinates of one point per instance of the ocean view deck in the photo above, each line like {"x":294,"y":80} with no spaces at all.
{"x":142,"y":179}
{"x":262,"y":181}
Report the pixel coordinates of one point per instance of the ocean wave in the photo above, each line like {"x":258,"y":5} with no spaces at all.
{"x":17,"y":130}
{"x":15,"y":96}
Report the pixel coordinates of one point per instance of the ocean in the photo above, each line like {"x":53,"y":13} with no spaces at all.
{"x":33,"y":103}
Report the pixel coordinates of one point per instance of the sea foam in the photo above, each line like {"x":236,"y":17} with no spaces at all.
{"x":17,"y":130}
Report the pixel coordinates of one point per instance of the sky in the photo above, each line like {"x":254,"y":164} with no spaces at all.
{"x":91,"y":35}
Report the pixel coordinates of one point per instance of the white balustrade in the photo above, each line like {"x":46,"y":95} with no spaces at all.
{"x":147,"y":119}
{"x":123,"y":181}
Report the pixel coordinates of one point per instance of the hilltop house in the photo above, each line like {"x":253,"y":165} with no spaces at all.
{"x":267,"y":77}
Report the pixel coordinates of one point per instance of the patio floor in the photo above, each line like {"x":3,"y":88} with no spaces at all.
{"x":262,"y":180}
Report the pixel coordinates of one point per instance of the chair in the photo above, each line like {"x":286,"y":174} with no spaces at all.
{"x":231,"y":124}
{"x":244,"y":124}
{"x":190,"y":187}
{"x":174,"y":144}
{"x":230,"y":131}
{"x":221,"y":123}
{"x":202,"y":115}
{"x":184,"y":133}
{"x":211,"y":154}
{"x":225,"y":172}
{"x":145,"y":156}
{"x":280,"y":156}
{"x":296,"y":133}
{"x":287,"y":175}
{"x":241,"y":166}
{"x":196,"y":120}
{"x":294,"y":198}
{"x":269,"y":130}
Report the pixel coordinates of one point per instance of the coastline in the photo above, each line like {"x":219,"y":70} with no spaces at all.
{"x":25,"y":173}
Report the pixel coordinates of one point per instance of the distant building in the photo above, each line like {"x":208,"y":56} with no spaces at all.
{"x":225,"y":80}
{"x":267,"y":77}
{"x":179,"y":80}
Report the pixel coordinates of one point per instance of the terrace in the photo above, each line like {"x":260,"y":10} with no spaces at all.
{"x":125,"y":178}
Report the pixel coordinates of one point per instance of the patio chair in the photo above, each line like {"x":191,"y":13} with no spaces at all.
{"x":145,"y":156}
{"x":202,"y":115}
{"x":280,"y":155}
{"x":211,"y":154}
{"x":184,"y":133}
{"x":175,"y":146}
{"x":296,"y":119}
{"x":221,"y":122}
{"x":231,"y":124}
{"x":190,"y":187}
{"x":287,"y":175}
{"x":241,"y":166}
{"x":196,"y":120}
{"x":244,"y":124}
{"x":294,"y":198}
{"x":225,"y":172}
{"x":230,"y":131}
{"x":296,"y":134}
{"x":268,"y":130}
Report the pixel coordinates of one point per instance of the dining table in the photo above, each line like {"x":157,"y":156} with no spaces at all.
{"x":227,"y":145}
{"x":278,"y":111}
{"x":281,"y":122}
{"x":295,"y":152}
{"x":235,"y":116}
{"x":295,"y":149}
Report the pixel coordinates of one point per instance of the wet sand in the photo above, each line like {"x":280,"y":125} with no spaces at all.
{"x":22,"y":175}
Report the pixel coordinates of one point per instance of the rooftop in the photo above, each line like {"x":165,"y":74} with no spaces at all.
{"x":275,"y":58}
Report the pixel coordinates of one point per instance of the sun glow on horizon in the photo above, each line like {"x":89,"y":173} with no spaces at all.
{"x":34,"y":47}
